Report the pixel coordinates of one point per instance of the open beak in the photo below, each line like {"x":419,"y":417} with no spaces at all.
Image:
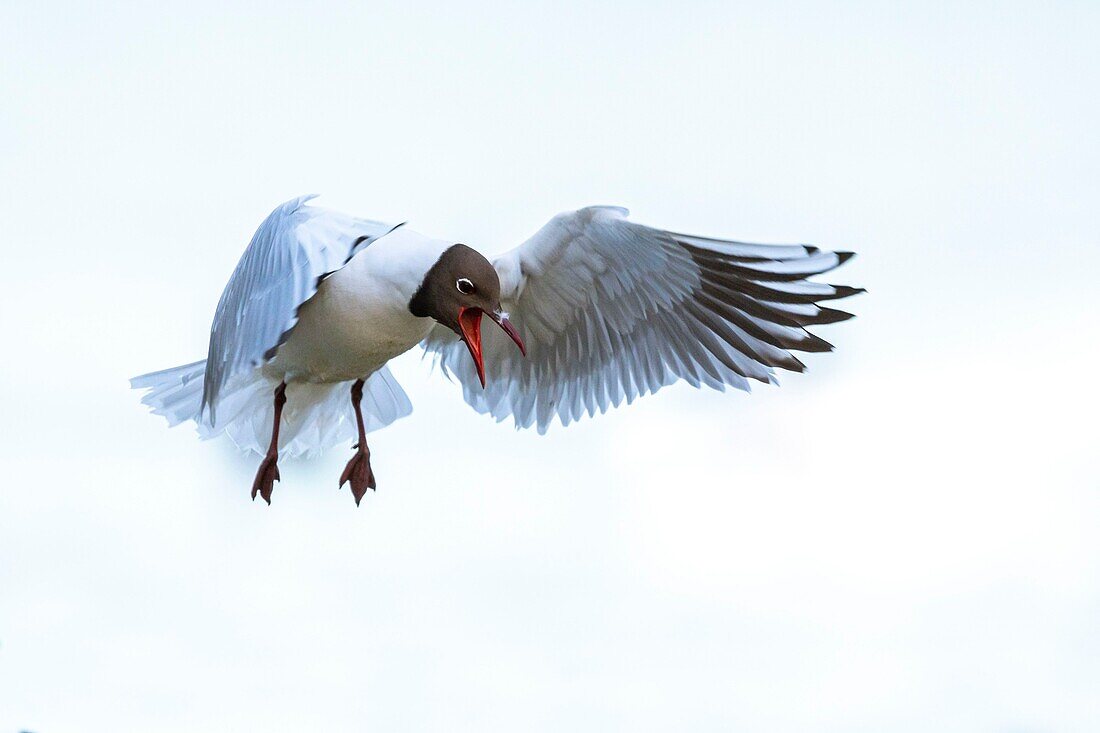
{"x":469,"y":323}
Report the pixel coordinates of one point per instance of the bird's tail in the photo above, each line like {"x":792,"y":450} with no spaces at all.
{"x":175,"y":393}
{"x":316,"y":416}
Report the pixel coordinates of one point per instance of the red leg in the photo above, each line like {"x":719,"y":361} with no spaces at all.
{"x":268,"y":473}
{"x":358,"y":470}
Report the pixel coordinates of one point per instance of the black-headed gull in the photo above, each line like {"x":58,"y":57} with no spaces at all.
{"x":593,"y":310}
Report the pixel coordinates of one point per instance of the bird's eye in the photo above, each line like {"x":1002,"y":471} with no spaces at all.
{"x":465,"y":286}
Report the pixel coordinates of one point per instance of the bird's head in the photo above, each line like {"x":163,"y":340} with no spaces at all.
{"x":457,"y":291}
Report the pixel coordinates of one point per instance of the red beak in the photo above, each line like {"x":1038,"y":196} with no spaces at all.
{"x":469,"y":322}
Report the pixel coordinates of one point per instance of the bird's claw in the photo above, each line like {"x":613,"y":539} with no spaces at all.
{"x":359,"y":473}
{"x":266,"y":477}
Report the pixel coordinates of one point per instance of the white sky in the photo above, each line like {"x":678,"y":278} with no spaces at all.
{"x":902,"y":539}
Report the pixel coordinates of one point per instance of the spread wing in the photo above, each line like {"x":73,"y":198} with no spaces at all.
{"x":611,"y":309}
{"x":295,"y":247}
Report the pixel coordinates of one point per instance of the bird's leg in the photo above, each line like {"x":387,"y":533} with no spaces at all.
{"x":268,"y":473}
{"x":358,"y":470}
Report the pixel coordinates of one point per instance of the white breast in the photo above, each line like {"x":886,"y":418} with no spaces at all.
{"x":359,"y":318}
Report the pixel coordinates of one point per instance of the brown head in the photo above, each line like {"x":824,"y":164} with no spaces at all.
{"x":458,"y":289}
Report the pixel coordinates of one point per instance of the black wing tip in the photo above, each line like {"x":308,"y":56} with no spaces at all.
{"x":832,"y":315}
{"x":814,"y":344}
{"x":844,"y":291}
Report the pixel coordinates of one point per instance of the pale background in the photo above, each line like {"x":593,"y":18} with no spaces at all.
{"x":902,"y":539}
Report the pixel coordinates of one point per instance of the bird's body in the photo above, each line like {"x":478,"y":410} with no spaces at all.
{"x":359,"y":317}
{"x":602,"y":310}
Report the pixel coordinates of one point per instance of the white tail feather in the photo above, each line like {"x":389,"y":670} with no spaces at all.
{"x":316,"y":416}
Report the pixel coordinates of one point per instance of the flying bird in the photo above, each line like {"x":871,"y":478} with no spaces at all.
{"x":591,"y":311}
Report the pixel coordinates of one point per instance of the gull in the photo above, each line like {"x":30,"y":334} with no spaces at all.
{"x":593,"y":310}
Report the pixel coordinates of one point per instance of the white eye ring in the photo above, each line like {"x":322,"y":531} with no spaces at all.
{"x":465,"y":286}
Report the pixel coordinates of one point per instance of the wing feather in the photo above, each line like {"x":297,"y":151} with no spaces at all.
{"x":294,"y":248}
{"x":612,"y":310}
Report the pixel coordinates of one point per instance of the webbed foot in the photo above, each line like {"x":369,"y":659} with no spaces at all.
{"x":359,"y":473}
